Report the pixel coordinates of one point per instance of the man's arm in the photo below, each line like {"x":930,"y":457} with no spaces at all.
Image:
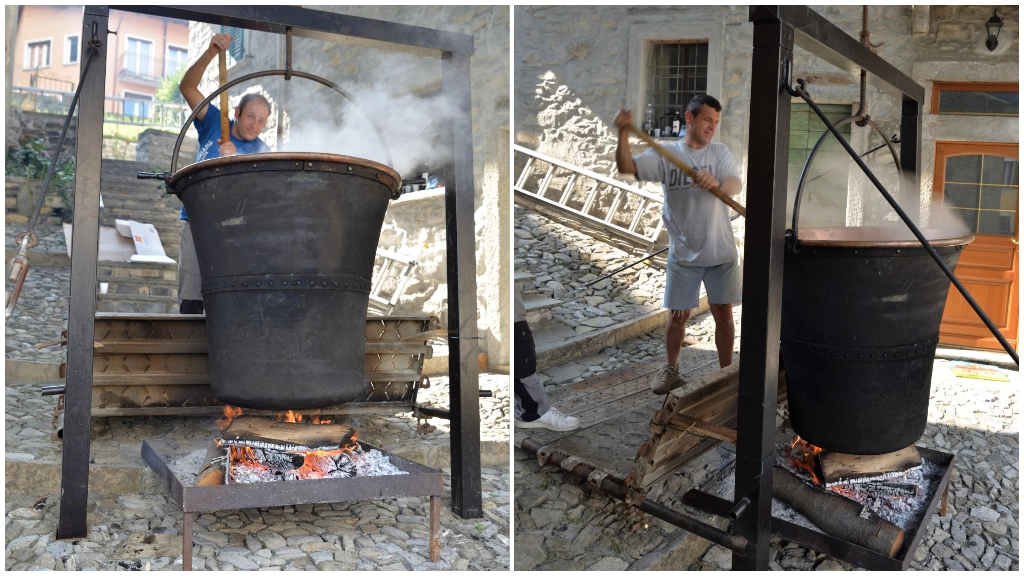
{"x":623,"y":156}
{"x":190,"y":81}
{"x":731,"y":185}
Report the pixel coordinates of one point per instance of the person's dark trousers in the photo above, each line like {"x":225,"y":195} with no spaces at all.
{"x":529,"y":391}
{"x":191,"y":307}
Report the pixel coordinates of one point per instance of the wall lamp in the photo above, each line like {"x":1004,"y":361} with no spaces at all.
{"x":993,"y":26}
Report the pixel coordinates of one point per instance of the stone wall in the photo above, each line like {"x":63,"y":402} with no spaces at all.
{"x":572,"y":67}
{"x":20,"y":196}
{"x":414,"y":226}
{"x":50,"y":126}
{"x":156,"y":146}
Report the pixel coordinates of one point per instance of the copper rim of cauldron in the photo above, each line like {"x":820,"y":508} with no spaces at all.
{"x":394,"y":185}
{"x":878,"y":237}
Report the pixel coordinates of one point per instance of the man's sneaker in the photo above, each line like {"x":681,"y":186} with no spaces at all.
{"x":666,"y":380}
{"x":552,"y":420}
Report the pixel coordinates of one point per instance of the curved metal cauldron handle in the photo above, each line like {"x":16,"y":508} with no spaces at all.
{"x":247,"y":77}
{"x":817,"y":145}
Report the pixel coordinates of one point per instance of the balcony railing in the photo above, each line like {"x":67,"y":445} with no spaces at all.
{"x":116,"y":110}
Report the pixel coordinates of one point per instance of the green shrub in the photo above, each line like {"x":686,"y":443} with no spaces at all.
{"x":31,"y":160}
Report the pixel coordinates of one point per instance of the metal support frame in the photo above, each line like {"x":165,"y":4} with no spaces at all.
{"x":454,"y":50}
{"x":776,"y":30}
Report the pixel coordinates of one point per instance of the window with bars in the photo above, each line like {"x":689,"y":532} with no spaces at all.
{"x":676,"y":72}
{"x":983,"y":190}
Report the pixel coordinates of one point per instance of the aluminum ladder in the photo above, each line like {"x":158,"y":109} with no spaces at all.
{"x":624,"y":223}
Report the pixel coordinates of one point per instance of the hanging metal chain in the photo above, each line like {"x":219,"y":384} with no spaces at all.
{"x":288,"y":53}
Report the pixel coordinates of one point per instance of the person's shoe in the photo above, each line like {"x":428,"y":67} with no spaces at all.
{"x":552,"y":420}
{"x":666,"y":380}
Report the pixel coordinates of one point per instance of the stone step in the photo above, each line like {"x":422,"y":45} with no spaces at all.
{"x":538,"y":307}
{"x":521,"y":277}
{"x":166,"y":217}
{"x":140,"y":286}
{"x":110,"y":270}
{"x":136,"y":303}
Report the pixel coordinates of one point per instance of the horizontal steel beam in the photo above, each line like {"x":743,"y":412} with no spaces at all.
{"x":316,"y":24}
{"x":814,"y":33}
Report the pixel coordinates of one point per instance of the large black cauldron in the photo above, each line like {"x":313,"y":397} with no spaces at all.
{"x":860,"y":322}
{"x":286,"y":245}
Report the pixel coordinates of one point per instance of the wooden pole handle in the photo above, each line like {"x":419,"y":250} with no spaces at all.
{"x":225,"y":129}
{"x":688,"y":170}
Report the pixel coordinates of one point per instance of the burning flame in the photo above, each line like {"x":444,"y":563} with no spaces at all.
{"x":230,"y":412}
{"x":311,"y":469}
{"x":295,"y":417}
{"x":802,"y":454}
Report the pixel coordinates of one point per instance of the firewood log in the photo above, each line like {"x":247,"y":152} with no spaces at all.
{"x":838,"y":516}
{"x":213,"y":472}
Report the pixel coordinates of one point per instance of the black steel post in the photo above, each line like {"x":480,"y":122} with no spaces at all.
{"x":463,"y":369}
{"x":910,"y":156}
{"x":74,"y":495}
{"x":764,"y":245}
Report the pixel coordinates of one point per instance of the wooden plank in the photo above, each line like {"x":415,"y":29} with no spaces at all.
{"x":218,"y":410}
{"x":702,"y":428}
{"x":203,"y":347}
{"x":180,"y":379}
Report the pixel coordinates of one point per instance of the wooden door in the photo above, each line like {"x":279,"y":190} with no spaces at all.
{"x":979,"y":182}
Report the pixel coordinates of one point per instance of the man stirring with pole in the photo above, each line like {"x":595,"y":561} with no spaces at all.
{"x":701,"y":244}
{"x":217,"y":137}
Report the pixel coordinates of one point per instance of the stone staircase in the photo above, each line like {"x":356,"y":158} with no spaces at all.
{"x":538,"y":306}
{"x":138,"y":287}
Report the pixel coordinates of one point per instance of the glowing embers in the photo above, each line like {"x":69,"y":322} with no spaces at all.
{"x":897,"y":486}
{"x":255,"y":449}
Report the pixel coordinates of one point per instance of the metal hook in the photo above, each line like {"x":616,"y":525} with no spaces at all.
{"x":95,"y":40}
{"x":787,"y":75}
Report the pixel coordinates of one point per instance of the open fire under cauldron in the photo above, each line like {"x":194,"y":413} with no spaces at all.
{"x":286,"y":245}
{"x":860,"y":322}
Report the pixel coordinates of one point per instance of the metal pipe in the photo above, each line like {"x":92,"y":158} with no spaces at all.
{"x":802,"y":93}
{"x":53,"y":390}
{"x":612,"y":273}
{"x":615,"y":487}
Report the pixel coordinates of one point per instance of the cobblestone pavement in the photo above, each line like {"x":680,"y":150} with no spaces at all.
{"x":550,"y":251}
{"x":42,"y":309}
{"x":141,"y":532}
{"x":388,"y":534}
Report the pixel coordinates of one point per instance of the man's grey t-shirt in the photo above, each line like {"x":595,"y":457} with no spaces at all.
{"x":698,"y":226}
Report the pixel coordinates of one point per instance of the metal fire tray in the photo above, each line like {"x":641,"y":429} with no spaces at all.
{"x":841,"y":549}
{"x":419,"y":481}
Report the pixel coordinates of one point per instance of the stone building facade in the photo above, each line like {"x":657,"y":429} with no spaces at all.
{"x":575,"y":66}
{"x":400,"y":87}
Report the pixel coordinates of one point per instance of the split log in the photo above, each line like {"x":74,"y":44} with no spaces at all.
{"x":214,"y":471}
{"x":838,"y":516}
{"x":840,"y":468}
{"x":264,"y":433}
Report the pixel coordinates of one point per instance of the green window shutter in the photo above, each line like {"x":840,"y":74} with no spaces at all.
{"x":237,"y":48}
